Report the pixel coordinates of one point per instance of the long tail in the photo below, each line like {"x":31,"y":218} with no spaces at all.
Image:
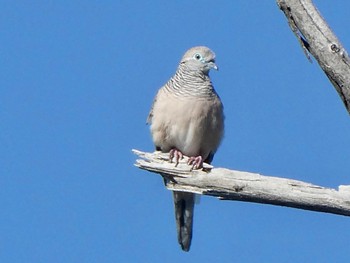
{"x":184,"y":206}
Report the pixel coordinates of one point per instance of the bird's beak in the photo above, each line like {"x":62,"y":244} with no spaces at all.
{"x":211,"y":65}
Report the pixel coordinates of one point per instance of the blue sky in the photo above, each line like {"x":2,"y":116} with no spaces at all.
{"x":77,"y":80}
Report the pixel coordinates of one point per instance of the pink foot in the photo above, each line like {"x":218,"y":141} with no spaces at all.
{"x":175,"y":154}
{"x":196,"y":162}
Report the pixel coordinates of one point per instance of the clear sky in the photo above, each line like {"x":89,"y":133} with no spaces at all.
{"x":77,"y":80}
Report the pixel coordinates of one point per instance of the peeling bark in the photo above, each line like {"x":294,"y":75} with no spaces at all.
{"x":228,"y":184}
{"x":317,"y":39}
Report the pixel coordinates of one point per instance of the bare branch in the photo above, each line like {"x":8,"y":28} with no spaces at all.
{"x":316,"y":38}
{"x":244,"y":186}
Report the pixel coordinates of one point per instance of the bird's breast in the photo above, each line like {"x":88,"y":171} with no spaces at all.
{"x":192,"y":125}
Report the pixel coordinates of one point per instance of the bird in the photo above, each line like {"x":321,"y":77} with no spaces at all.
{"x":187,"y":118}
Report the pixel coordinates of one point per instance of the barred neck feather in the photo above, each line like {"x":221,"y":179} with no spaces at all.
{"x":190,"y":83}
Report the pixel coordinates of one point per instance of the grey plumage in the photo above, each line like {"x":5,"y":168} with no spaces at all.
{"x":187,"y":117}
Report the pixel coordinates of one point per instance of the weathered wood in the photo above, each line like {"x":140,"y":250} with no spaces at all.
{"x":244,"y":186}
{"x":316,"y":37}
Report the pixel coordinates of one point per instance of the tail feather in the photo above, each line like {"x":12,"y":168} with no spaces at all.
{"x":184,"y":206}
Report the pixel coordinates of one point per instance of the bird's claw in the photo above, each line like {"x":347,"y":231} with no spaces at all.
{"x":175,"y":154}
{"x":196,"y":162}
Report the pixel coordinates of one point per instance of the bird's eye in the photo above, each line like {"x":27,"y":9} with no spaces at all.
{"x":197,"y":56}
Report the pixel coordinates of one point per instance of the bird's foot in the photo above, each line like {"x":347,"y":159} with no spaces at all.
{"x":196,"y":162}
{"x":175,"y":154}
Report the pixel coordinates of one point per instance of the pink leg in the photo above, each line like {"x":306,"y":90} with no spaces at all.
{"x":196,"y":162}
{"x":175,"y":154}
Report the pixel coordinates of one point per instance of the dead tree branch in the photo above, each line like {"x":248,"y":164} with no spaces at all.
{"x":244,"y":186}
{"x":316,"y":38}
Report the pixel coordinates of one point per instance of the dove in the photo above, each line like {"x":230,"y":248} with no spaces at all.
{"x":187,"y":118}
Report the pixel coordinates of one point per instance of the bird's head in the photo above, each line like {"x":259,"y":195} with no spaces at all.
{"x":199,"y":59}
